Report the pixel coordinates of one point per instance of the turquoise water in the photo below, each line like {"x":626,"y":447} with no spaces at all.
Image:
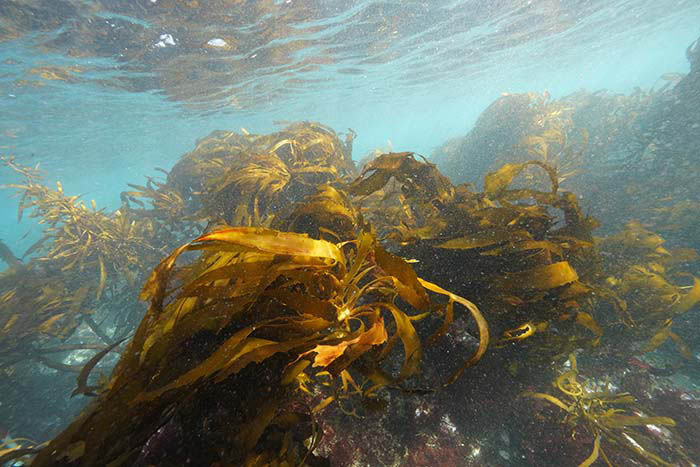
{"x":415,"y":73}
{"x":100,"y":93}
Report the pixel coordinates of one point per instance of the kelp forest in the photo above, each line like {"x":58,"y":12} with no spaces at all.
{"x":539,"y":306}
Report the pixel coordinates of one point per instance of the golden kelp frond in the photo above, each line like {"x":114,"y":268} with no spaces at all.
{"x":257,"y":302}
{"x":544,"y":277}
{"x":554,"y":138}
{"x":635,"y":241}
{"x":496,"y":183}
{"x":401,"y":196}
{"x":78,"y":238}
{"x":35,"y":306}
{"x":511,"y":253}
{"x":553,"y":147}
{"x":165,"y":201}
{"x":248,"y":179}
{"x":644,"y":277}
{"x":615,"y":421}
{"x":326,"y":214}
{"x":249,"y":195}
{"x":419,"y":180}
{"x":653,"y":302}
{"x":312,"y":148}
{"x":327,"y":354}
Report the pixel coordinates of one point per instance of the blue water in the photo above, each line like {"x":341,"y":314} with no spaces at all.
{"x":414,"y":73}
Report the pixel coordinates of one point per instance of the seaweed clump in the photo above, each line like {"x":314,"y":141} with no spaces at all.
{"x":612,"y":419}
{"x":88,"y":261}
{"x":645,"y":282}
{"x":85,"y":257}
{"x":257,"y":309}
{"x":248,"y":179}
{"x":303,"y":274}
{"x":515,"y":128}
{"x":71,"y":292}
{"x":505,"y":247}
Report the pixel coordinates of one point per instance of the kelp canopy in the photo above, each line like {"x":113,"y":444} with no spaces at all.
{"x":633,"y":156}
{"x":260,"y":307}
{"x":246,"y":179}
{"x":301,"y":272}
{"x":96,"y":258}
{"x":515,"y":128}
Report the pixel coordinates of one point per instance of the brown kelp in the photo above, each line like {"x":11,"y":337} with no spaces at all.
{"x":84,"y":258}
{"x":504,"y":244}
{"x":81,"y":238}
{"x":260,"y":306}
{"x":649,"y":285}
{"x":248,"y":179}
{"x":33,"y":309}
{"x":638,"y":149}
{"x":615,"y":421}
{"x":75,"y":289}
{"x":299,"y":275}
{"x":89,"y":257}
{"x":515,"y":128}
{"x":529,"y":258}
